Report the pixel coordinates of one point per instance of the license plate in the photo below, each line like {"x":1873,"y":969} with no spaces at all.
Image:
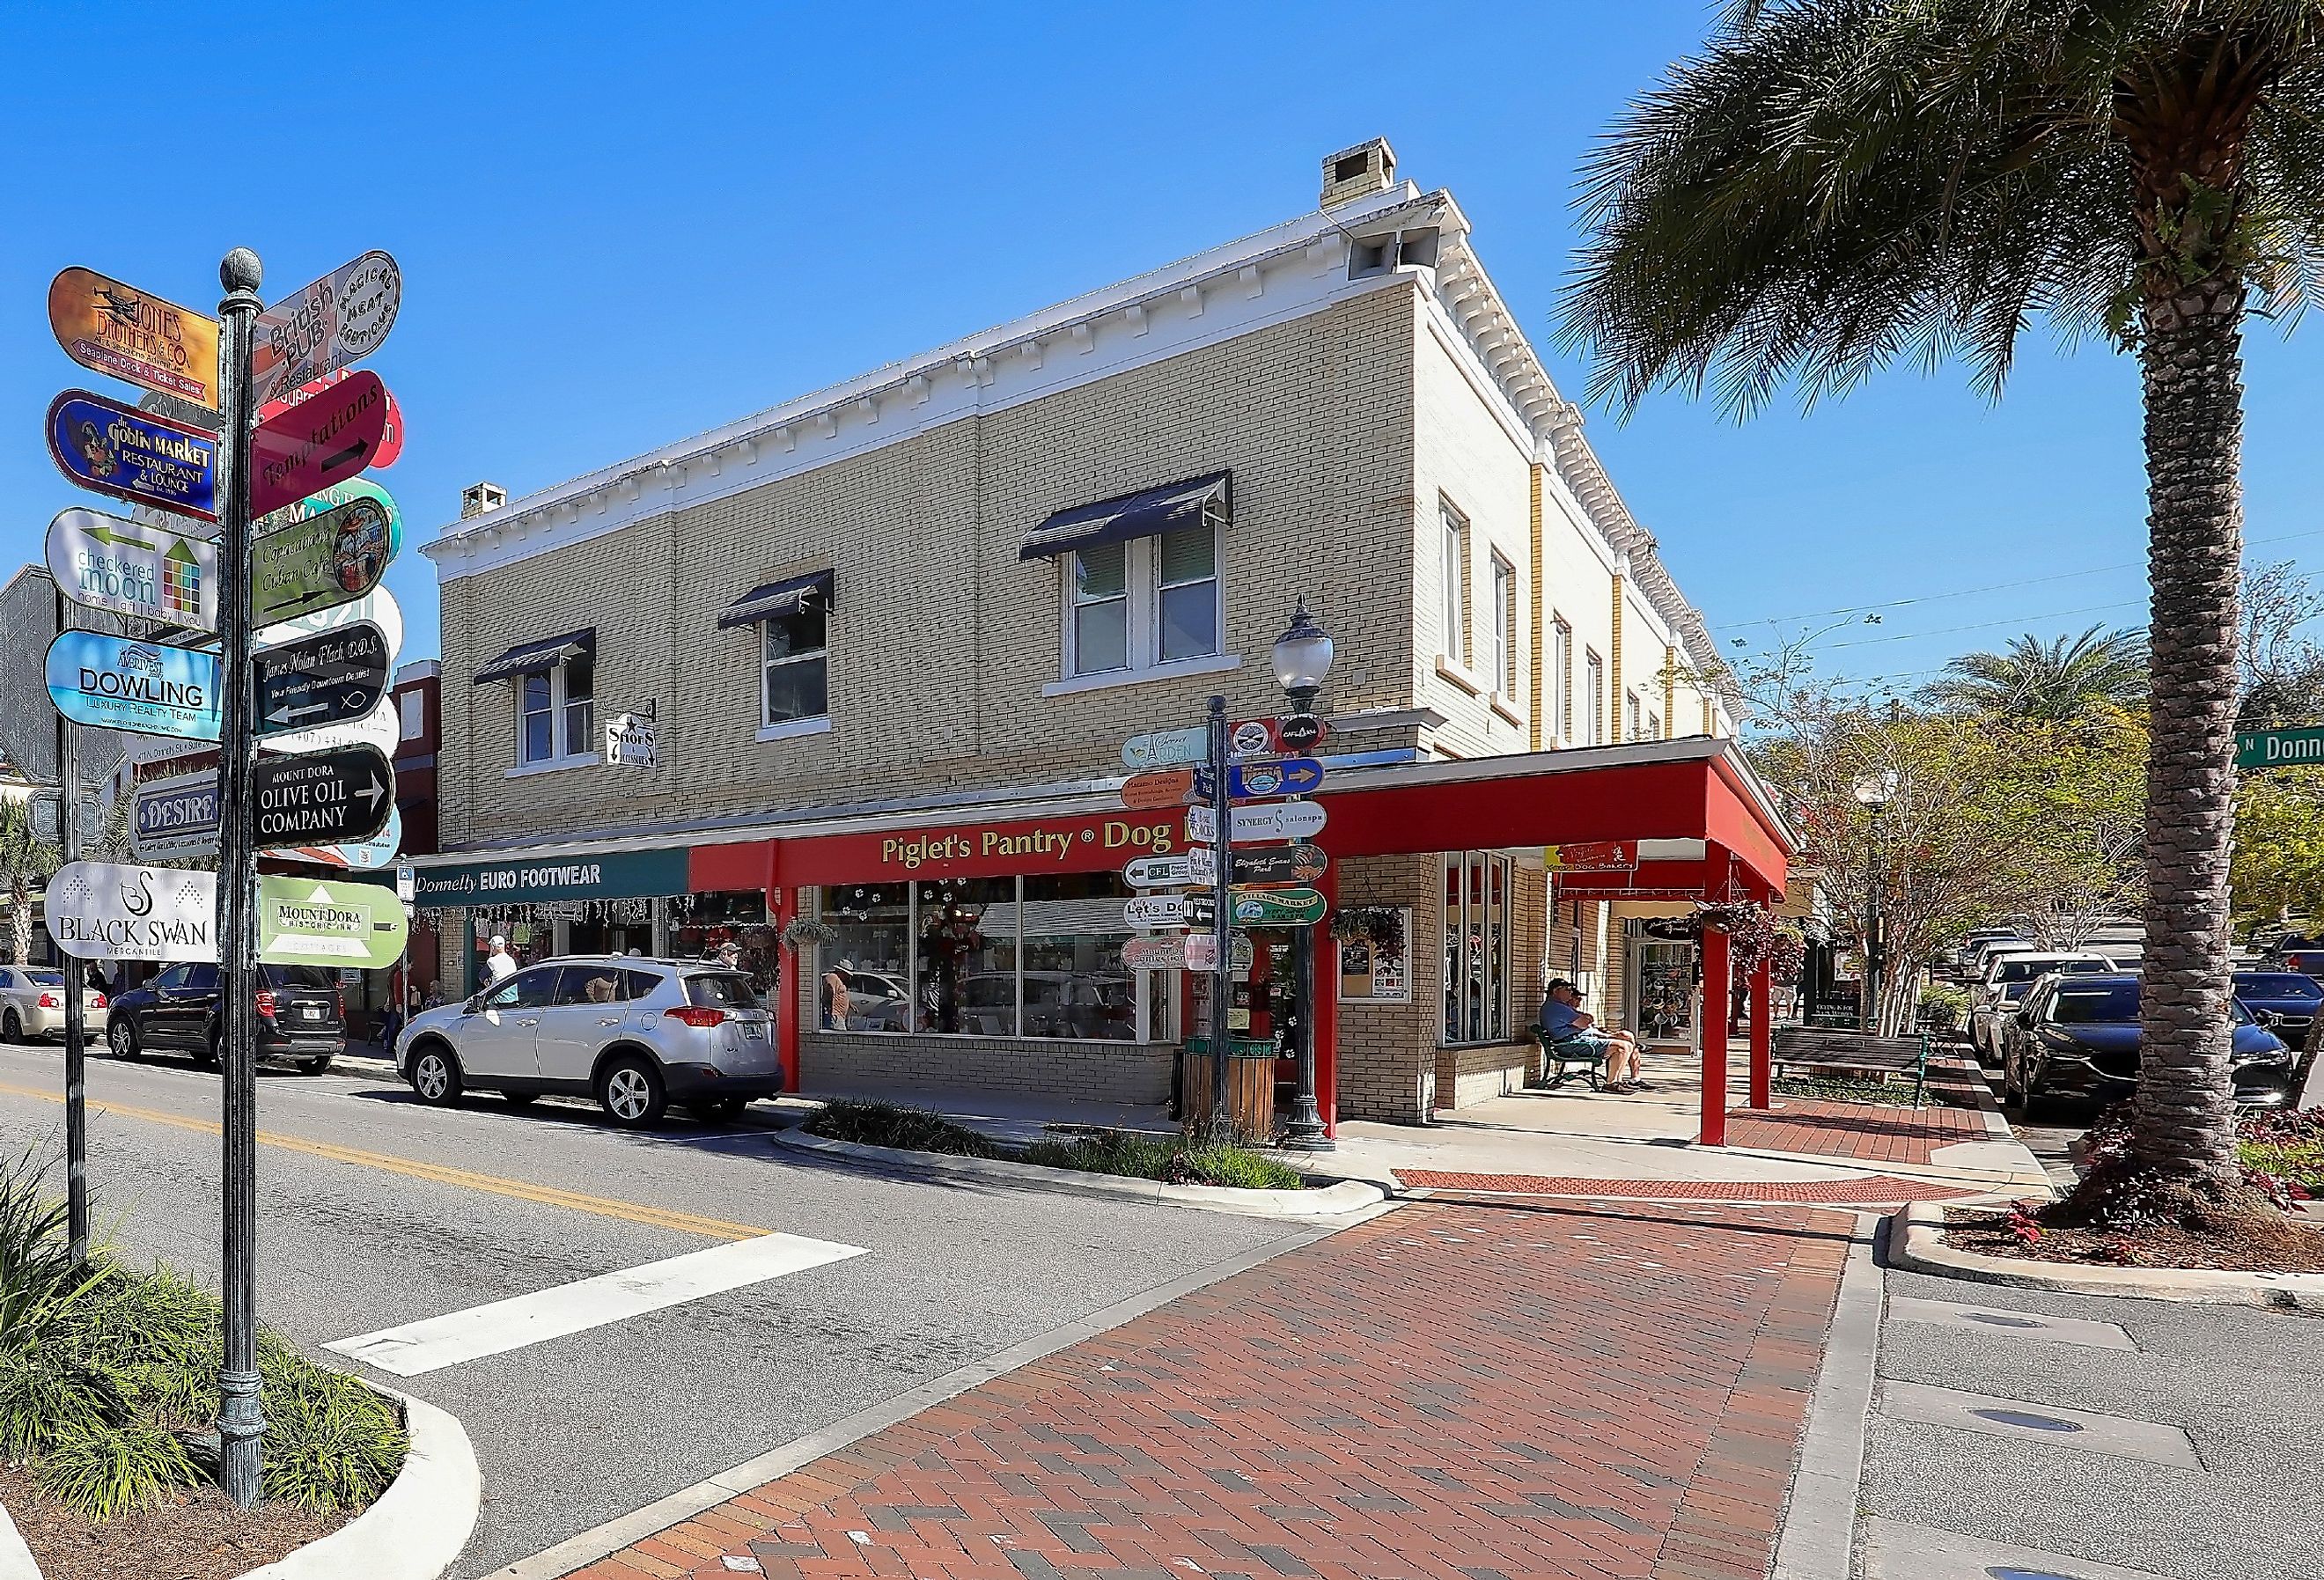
{"x":754,"y":1031}
{"x":311,"y":1013}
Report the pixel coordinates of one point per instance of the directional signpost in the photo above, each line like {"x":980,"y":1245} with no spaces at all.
{"x":1262,"y":864}
{"x":340,"y":319}
{"x":100,"y":561}
{"x":328,"y":439}
{"x":1167,"y":787}
{"x":171,"y":819}
{"x":114,"y":328}
{"x":332,"y":797}
{"x":316,"y":680}
{"x":147,"y":687}
{"x":137,"y":456}
{"x":1274,"y":776}
{"x":1151,"y":910}
{"x":310,"y":921}
{"x":363,"y":855}
{"x":1259,"y":908}
{"x":98,"y":910}
{"x":321,"y":561}
{"x":1164,"y":748}
{"x":2280,"y":748}
{"x":1267,"y":820}
{"x":1160,"y":872}
{"x":323,"y":500}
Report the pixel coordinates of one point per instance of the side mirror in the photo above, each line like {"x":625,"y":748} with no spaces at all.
{"x":475,"y":1001}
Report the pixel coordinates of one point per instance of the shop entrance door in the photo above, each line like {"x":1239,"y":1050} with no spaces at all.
{"x":1661,"y":992}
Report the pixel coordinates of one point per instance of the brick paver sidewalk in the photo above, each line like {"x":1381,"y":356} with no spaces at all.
{"x":1869,"y":1189}
{"x":1450,"y":1392}
{"x":1857,"y":1131}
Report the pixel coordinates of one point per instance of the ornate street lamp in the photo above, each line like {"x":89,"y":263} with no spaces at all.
{"x":1303,"y":657}
{"x":1873,"y":792}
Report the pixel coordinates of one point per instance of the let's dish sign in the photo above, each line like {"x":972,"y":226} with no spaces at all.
{"x":137,"y":456}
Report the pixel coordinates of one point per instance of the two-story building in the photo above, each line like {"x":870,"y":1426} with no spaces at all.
{"x":893,"y":635}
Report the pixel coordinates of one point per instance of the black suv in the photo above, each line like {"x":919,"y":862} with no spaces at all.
{"x":301,"y":1016}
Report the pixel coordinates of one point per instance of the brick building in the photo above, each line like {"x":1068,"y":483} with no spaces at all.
{"x":892,"y":635}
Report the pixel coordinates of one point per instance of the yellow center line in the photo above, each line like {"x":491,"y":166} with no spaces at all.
{"x":462,"y":1179}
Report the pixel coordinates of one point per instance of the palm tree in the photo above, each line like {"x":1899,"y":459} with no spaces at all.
{"x":25,"y":859}
{"x":2056,"y":684}
{"x":1836,"y":184}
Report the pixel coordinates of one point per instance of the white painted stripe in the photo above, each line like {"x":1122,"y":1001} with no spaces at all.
{"x":493,"y":1329}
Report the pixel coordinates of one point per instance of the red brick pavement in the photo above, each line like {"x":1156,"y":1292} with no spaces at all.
{"x":1450,"y":1392}
{"x":1869,"y":1187}
{"x":1857,"y":1130}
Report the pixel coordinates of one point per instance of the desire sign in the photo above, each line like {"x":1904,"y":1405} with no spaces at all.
{"x":327,"y":439}
{"x":133,"y":455}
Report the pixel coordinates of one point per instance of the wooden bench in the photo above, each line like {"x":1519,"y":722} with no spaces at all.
{"x":1851,"y":1053}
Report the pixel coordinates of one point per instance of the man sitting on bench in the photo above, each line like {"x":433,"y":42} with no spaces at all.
{"x":1563,"y":1021}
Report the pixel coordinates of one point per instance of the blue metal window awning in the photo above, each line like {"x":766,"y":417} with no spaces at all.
{"x":1146,"y":513}
{"x":778,"y":598}
{"x":537,"y":657}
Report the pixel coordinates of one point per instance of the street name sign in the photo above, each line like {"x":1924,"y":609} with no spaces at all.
{"x":1262,"y":864}
{"x":1159,"y":871}
{"x":329,"y":797}
{"x":320,"y":561}
{"x":632,"y":741}
{"x":363,"y":855}
{"x":337,"y":675}
{"x":133,"y":455}
{"x":1166,"y":747}
{"x":1155,"y":911}
{"x":114,"y":328}
{"x":102,"y":910}
{"x":149,"y":688}
{"x":1167,"y":787}
{"x":340,"y":319}
{"x":172,"y":819}
{"x":1265,"y":777}
{"x":2280,"y":748}
{"x":312,"y":921}
{"x":1269,"y":820}
{"x":152,"y":573}
{"x":328,"y":439}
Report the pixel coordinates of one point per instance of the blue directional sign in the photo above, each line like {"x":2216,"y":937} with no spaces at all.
{"x":149,"y":688}
{"x":133,"y":455}
{"x":1279,"y":776}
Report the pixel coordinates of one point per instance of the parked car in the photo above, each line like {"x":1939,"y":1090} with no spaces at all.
{"x":2284,"y":1001}
{"x":1981,"y":958}
{"x":2078,"y":1036}
{"x":877,"y":1002}
{"x":1987,"y":1017}
{"x":634,"y":1034}
{"x":1966,"y":949}
{"x":302,"y":1016}
{"x":2307,"y":962}
{"x":2025,"y":965}
{"x":32,"y":1004}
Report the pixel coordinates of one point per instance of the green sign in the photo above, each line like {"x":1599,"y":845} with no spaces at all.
{"x":306,"y":921}
{"x":524,"y":879}
{"x":321,"y":562}
{"x":1262,"y":907}
{"x":2280,"y":748}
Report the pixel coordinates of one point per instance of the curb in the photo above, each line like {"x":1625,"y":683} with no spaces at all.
{"x":417,"y":1526}
{"x":16,"y":1562}
{"x":1348,"y":1195}
{"x":1818,"y":1538}
{"x":1915,"y":1241}
{"x":578,"y":1552}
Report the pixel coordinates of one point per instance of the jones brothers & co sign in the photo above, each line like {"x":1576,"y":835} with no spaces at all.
{"x":1054,"y":845}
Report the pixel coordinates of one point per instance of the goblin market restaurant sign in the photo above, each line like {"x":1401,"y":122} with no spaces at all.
{"x":630,"y":875}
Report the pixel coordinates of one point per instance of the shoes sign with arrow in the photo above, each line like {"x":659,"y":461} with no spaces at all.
{"x":338,"y":674}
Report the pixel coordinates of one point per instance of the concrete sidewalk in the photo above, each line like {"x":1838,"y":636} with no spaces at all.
{"x":1458,"y":1392}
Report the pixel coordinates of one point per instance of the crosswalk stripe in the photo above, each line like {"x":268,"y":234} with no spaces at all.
{"x":514,"y":1323}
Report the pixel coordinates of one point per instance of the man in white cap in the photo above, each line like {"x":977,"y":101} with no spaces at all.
{"x":498,"y":964}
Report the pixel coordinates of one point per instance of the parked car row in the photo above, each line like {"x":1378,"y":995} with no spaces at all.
{"x":2079,"y":1036}
{"x":32,"y":1004}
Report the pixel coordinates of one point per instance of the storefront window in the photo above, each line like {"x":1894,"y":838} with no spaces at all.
{"x":967,"y":981}
{"x":1478,"y":886}
{"x":1075,"y":984}
{"x":867,"y":974}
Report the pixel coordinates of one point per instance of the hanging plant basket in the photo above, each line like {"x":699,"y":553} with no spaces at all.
{"x":806,"y":931}
{"x":1380,"y":924}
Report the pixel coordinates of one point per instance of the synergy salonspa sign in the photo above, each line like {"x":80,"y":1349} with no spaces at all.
{"x":627,"y":874}
{"x":100,"y":910}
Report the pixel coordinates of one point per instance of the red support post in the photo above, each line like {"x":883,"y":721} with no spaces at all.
{"x":787,"y":985}
{"x":1715,"y":1011}
{"x":1763,"y":1011}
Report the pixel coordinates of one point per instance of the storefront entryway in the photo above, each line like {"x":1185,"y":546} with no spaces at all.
{"x":1661,"y":992}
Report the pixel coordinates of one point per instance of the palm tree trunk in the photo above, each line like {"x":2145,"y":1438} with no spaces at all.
{"x":2193,"y":366}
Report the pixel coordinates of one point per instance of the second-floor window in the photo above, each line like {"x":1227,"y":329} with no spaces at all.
{"x":1596,"y":724}
{"x":1630,"y":730}
{"x":793,"y":666}
{"x":1137,"y":605}
{"x":555,"y":712}
{"x":1453,"y":572}
{"x":1561,"y":702}
{"x":1505,"y":627}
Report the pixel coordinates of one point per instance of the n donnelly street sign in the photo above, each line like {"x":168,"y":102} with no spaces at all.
{"x":337,"y":675}
{"x":306,"y":921}
{"x":147,"y":687}
{"x":328,"y":439}
{"x":2280,"y":748}
{"x":114,"y":328}
{"x":321,"y":561}
{"x":1269,"y":820}
{"x":100,"y":911}
{"x":152,"y":573}
{"x":134,"y":455}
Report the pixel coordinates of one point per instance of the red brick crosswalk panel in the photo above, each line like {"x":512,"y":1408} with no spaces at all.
{"x":1866,"y":1188}
{"x":1451,"y":1391}
{"x":1855,"y":1130}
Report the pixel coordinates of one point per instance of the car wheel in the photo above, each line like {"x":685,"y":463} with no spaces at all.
{"x":631,"y":1091}
{"x":213,"y":1048}
{"x":2008,"y":1082}
{"x":519,"y":1099}
{"x":121,"y":1037}
{"x":722,"y":1108}
{"x":12,"y":1030}
{"x":316,"y":1065}
{"x":2033,"y":1104}
{"x":436,"y":1076}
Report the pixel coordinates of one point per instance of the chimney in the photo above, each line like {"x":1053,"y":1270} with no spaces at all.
{"x":478,"y":498}
{"x":1359,"y":172}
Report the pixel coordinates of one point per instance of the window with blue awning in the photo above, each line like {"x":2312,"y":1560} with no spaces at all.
{"x":1148,"y":513}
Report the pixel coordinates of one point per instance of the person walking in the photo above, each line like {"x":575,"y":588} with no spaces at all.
{"x":499,"y":964}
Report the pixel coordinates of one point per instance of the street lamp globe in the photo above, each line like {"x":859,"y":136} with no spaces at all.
{"x":1303,"y":657}
{"x":1876,"y":790}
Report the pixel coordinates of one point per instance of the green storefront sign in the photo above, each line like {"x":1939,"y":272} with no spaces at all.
{"x":2280,"y":748}
{"x":524,"y":879}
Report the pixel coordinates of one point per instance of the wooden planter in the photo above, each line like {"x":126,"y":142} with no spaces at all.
{"x":1251,"y":1089}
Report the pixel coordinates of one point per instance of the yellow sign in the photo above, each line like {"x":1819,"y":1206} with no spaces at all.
{"x":107,"y":326}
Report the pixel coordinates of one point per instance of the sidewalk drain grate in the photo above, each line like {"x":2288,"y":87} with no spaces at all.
{"x":2032,"y":1422}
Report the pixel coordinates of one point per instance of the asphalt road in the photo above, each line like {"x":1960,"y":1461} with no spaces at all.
{"x":377,"y":1212}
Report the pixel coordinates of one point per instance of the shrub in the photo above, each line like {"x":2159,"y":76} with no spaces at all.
{"x":1216,"y":1164}
{"x":1109,"y":1152}
{"x":331,"y":1443}
{"x":103,"y":1472}
{"x":894,"y":1125}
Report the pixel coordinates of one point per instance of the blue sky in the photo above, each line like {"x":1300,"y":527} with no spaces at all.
{"x":619,"y":224}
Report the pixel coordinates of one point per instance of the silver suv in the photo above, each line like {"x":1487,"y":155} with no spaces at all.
{"x":636,"y":1035}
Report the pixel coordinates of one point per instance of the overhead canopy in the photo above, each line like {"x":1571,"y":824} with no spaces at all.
{"x":1144,"y":514}
{"x":777,"y":598}
{"x":537,"y":657}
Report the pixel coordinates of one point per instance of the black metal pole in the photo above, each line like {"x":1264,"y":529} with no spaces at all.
{"x":1304,"y":1132}
{"x":1871,"y":1015}
{"x":1221,"y":1126}
{"x":75,"y":974}
{"x":240,"y":1424}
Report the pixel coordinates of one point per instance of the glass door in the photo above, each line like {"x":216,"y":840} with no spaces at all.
{"x":1662,"y":998}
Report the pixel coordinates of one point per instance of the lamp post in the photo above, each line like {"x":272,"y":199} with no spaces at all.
{"x":1874,"y":791}
{"x":1303,"y":657}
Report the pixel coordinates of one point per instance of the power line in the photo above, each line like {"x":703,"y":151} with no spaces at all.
{"x":1989,"y":625}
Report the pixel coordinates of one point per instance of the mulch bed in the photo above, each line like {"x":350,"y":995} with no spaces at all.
{"x":198,"y":1535}
{"x":2288,"y":1248}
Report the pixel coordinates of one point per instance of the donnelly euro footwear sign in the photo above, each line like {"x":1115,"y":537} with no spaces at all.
{"x":100,"y":561}
{"x":148,"y":687}
{"x":307,"y":922}
{"x":101,"y":911}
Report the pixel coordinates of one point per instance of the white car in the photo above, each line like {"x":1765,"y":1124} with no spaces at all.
{"x":32,"y":1004}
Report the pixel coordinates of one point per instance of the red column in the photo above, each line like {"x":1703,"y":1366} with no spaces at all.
{"x":786,"y":1000}
{"x":1763,"y":1011}
{"x":1325,"y":1012}
{"x":1715,"y":975}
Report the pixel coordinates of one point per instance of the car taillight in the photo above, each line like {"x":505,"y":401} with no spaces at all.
{"x":99,"y":1001}
{"x":49,"y":1001}
{"x":266,"y":1003}
{"x":696,"y":1017}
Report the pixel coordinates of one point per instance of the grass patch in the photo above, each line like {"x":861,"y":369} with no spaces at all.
{"x":1126,"y":1154}
{"x":102,"y":1367}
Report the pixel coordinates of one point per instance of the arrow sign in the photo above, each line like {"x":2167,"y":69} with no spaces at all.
{"x":1163,"y":952}
{"x":117,"y":329}
{"x":331,"y":798}
{"x":364,"y":856}
{"x":1260,"y":908}
{"x":319,"y":680}
{"x":306,"y":921}
{"x":1155,"y":911}
{"x":1159,"y":871}
{"x":340,"y":319}
{"x":1271,"y":776}
{"x":380,"y":727}
{"x":1262,"y":864}
{"x":1166,"y":747}
{"x":112,"y":683}
{"x":154,"y":573}
{"x":1164,"y":787}
{"x":133,"y":455}
{"x":2279,"y":748}
{"x":329,"y":438}
{"x":1270,"y":820}
{"x":321,"y":561}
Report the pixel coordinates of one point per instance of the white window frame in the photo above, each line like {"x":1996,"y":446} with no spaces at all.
{"x":1142,"y":620}
{"x":805,"y":723}
{"x":1452,"y":571}
{"x":1632,"y":717}
{"x":557,"y":703}
{"x":1561,"y":702}
{"x":1597,"y":698}
{"x":1505,"y":627}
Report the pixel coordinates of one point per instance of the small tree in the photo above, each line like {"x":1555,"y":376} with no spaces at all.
{"x":25,"y":860}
